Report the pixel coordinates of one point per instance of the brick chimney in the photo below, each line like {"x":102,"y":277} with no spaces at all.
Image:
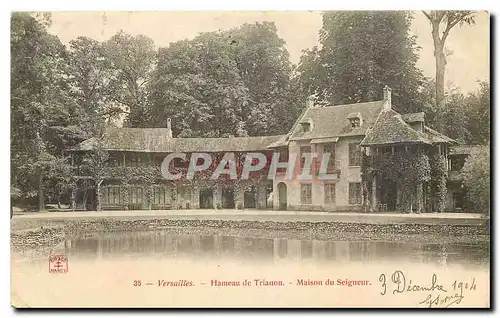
{"x":310,"y":101}
{"x":169,"y":128}
{"x":387,"y":96}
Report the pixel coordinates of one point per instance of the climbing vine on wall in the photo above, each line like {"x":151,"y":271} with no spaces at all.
{"x":408,"y":169}
{"x":367,"y":174}
{"x":148,"y":175}
{"x":439,"y":176}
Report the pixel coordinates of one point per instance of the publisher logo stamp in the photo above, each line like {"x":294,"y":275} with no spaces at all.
{"x":58,"y":264}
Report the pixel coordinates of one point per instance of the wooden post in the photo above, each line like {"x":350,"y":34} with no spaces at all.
{"x":74,"y":190}
{"x":374,"y":193}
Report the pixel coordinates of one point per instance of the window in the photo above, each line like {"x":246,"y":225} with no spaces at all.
{"x":111,"y":195}
{"x":134,"y":161}
{"x":284,"y":155}
{"x":184,"y":192}
{"x":136,"y":195}
{"x":306,"y":127}
{"x":354,"y":154}
{"x":303,"y":150}
{"x":283,"y":158}
{"x":305,"y":193}
{"x":355,"y":122}
{"x":330,"y":148}
{"x":354,"y":193}
{"x":159,"y":196}
{"x":330,"y":193}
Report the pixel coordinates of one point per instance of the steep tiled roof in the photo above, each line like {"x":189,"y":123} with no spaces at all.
{"x":437,"y":137}
{"x":413,"y":117}
{"x":464,"y":149}
{"x":156,"y":140}
{"x":332,"y":121}
{"x":390,"y":128}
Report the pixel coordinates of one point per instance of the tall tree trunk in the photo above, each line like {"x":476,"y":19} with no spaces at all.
{"x":440,"y":69}
{"x":41,"y":201}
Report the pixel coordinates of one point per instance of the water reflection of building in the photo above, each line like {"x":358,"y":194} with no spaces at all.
{"x":272,"y":249}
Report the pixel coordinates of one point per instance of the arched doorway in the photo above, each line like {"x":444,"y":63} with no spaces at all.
{"x":282,"y":193}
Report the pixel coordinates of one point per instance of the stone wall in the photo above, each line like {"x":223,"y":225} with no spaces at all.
{"x":347,"y":174}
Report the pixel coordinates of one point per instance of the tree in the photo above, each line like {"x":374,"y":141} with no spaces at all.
{"x":463,"y":117}
{"x":360,"y":52}
{"x":442,"y":22}
{"x":226,"y":83}
{"x":95,"y":163}
{"x":198,"y":85}
{"x":92,"y":84}
{"x":39,"y":102}
{"x":479,"y":123}
{"x":132,"y":59}
{"x":265,"y":69}
{"x":476,"y":175}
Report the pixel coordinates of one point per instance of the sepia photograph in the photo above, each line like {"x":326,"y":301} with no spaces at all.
{"x":227,"y":159}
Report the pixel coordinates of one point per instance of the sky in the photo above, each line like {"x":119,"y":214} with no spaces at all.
{"x":468,"y":45}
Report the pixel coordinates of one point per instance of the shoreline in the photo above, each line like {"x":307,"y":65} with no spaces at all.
{"x":47,"y":233}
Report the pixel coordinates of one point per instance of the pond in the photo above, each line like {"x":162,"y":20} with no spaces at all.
{"x":165,"y":245}
{"x":170,"y":269}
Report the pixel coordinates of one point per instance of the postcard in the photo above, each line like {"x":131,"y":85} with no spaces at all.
{"x":301,"y":159}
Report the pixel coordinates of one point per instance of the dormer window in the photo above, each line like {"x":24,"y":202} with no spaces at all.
{"x":355,"y":120}
{"x":306,"y":127}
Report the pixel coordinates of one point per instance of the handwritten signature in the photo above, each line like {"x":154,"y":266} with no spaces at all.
{"x":436,"y":294}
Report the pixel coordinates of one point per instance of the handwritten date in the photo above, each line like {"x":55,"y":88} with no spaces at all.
{"x":436,"y":294}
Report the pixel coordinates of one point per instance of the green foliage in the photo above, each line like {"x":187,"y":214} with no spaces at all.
{"x":439,"y":177}
{"x":404,"y":166}
{"x":93,"y":83}
{"x":39,"y":102}
{"x":476,"y":175}
{"x":131,"y":59}
{"x":265,"y":69}
{"x":222,"y":84}
{"x":409,"y":169}
{"x":361,"y":52}
{"x":198,"y":85}
{"x":479,"y":117}
{"x":463,"y":117}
